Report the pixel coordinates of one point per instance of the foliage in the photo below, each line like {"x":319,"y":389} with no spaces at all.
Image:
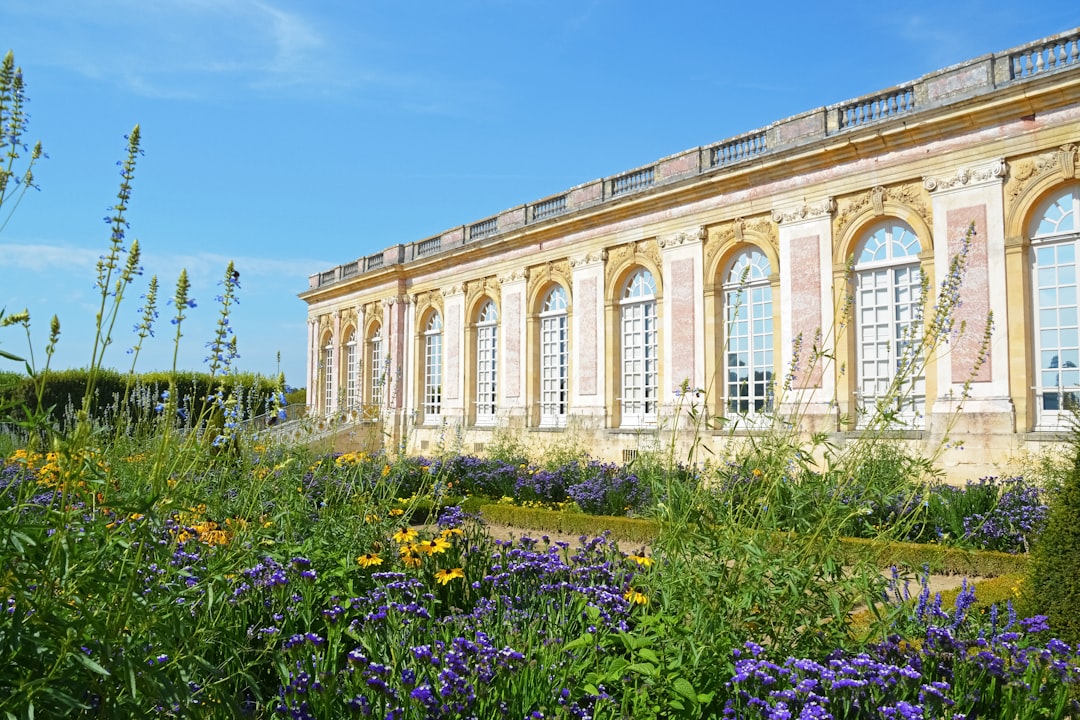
{"x":1054,"y":587}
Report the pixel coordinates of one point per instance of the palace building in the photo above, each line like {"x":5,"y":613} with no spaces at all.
{"x":794,"y":270}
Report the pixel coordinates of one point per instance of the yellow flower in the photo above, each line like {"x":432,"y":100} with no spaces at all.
{"x":385,"y":470}
{"x":410,"y":560}
{"x":642,"y":560}
{"x":451,"y":531}
{"x":432,"y":547}
{"x":369,"y":518}
{"x":397,"y":512}
{"x":445,"y":576}
{"x":404,"y":535}
{"x":757,"y":472}
{"x":636,"y":597}
{"x":369,"y":560}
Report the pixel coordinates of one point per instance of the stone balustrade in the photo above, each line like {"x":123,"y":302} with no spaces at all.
{"x":1024,"y":64}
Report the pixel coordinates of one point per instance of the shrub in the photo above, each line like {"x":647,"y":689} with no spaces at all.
{"x":1054,"y":588}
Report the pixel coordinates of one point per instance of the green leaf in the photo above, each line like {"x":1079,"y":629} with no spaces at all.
{"x":649,"y":655}
{"x":684,"y":688}
{"x":647,"y":669}
{"x":91,"y":664}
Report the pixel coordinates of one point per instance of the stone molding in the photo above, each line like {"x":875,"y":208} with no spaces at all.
{"x":968,"y":177}
{"x":475,"y":289}
{"x":806,"y":211}
{"x":761,"y":228}
{"x":593,"y":258}
{"x":514,"y":276}
{"x":911,"y":195}
{"x":699,"y":234}
{"x":619,"y":256}
{"x":1025,"y":172}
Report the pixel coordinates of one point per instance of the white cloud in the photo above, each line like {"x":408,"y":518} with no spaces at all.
{"x":42,"y":257}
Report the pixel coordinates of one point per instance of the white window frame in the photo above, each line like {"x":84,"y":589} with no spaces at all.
{"x":351,"y":385}
{"x":328,"y":377}
{"x":888,"y":321}
{"x":375,"y":362}
{"x":487,"y":364}
{"x":1055,"y":237}
{"x":554,"y":358}
{"x":748,"y":336}
{"x":639,"y":351}
{"x":433,"y":370}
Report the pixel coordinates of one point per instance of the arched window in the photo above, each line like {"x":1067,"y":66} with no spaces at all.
{"x":487,"y":326}
{"x":748,"y":351}
{"x":432,"y":402}
{"x":554,"y":358}
{"x":640,"y":381}
{"x":888,"y":327}
{"x":375,"y":363}
{"x":328,"y":376}
{"x":351,"y":386}
{"x":1054,"y":232}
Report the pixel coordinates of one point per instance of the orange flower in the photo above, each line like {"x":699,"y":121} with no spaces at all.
{"x":445,"y":576}
{"x":369,"y":560}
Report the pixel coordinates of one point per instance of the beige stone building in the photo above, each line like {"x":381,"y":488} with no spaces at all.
{"x":779,"y":272}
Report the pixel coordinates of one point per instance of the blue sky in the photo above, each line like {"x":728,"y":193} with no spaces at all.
{"x":294,"y":135}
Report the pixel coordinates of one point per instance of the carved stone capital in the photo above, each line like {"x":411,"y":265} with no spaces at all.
{"x":698,"y":234}
{"x":514,"y":276}
{"x":990,"y":173}
{"x":806,"y":211}
{"x":1025,"y":172}
{"x":592,"y":258}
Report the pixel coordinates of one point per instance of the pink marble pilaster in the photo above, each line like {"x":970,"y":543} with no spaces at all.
{"x":585,"y":304}
{"x":512,"y":339}
{"x":683,"y":322}
{"x":806,"y":305}
{"x":974,"y":293}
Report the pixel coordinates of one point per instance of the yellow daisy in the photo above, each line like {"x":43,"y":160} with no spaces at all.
{"x":445,"y":576}
{"x":404,"y":535}
{"x":636,"y":597}
{"x":642,"y":560}
{"x":369,"y":560}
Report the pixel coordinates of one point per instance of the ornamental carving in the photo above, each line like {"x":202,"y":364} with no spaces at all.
{"x":994,"y":172}
{"x":489,"y":286}
{"x":433,"y":298}
{"x":762,"y":227}
{"x":592,"y":258}
{"x":1026,"y":172}
{"x":540,"y":275}
{"x":698,"y":234}
{"x":912,"y":195}
{"x":806,"y":211}
{"x":620,"y":256}
{"x":514,"y":276}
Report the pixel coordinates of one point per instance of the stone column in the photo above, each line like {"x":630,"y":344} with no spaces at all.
{"x":683,"y":354}
{"x":806,"y":383}
{"x":335,"y":371}
{"x":972,"y":197}
{"x":312,"y":380}
{"x":587,"y":341}
{"x":512,"y":346}
{"x":454,"y":395}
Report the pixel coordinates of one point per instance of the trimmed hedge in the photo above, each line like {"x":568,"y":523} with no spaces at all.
{"x":941,"y":559}
{"x":64,"y":388}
